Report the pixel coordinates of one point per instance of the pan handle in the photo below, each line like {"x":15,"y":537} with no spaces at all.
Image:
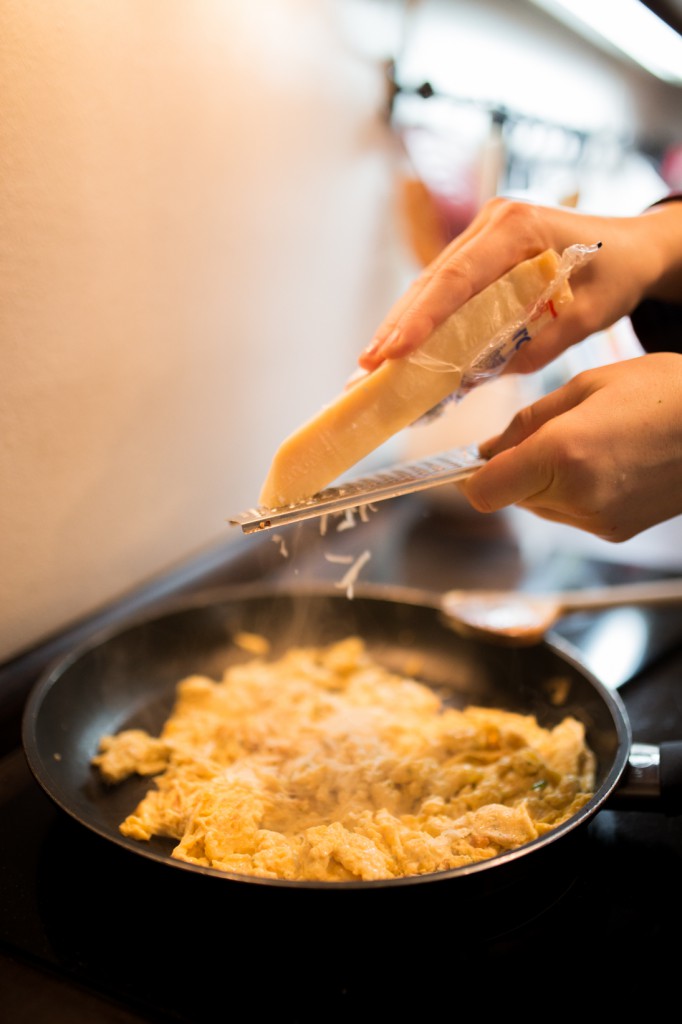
{"x":653,"y":773}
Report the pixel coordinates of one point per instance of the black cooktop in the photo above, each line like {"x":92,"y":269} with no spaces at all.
{"x":91,"y":932}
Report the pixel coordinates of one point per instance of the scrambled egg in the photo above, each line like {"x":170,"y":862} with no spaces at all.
{"x":323,"y":765}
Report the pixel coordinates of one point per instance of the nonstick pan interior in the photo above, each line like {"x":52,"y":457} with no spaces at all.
{"x":127,"y":679}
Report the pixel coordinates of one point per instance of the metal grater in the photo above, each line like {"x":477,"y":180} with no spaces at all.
{"x":403,"y":478}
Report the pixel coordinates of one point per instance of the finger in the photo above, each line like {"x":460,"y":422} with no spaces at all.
{"x":368,"y":359}
{"x":529,"y":419}
{"x":508,"y":479}
{"x":439,"y":294}
{"x":468,"y":265}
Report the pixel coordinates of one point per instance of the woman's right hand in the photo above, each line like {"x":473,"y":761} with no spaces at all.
{"x":640,"y":257}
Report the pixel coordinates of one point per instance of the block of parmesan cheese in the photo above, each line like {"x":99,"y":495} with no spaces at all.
{"x":400,"y":391}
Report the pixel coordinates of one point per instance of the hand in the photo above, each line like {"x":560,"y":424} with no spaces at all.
{"x":641,"y":256}
{"x":602,"y":453}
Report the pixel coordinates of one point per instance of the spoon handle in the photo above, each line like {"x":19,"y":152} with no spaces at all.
{"x":655,"y":592}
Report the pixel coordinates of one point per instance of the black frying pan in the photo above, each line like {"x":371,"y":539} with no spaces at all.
{"x":127,"y":678}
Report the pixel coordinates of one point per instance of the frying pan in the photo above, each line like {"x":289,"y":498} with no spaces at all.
{"x":126,"y":678}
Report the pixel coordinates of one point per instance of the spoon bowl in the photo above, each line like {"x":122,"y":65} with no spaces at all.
{"x":521,"y":619}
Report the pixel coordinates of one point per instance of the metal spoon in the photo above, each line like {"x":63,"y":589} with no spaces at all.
{"x":518,"y":618}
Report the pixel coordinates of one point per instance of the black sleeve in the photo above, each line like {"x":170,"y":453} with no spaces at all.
{"x":658,"y":325}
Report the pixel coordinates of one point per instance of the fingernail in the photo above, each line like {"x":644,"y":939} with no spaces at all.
{"x":356,"y":376}
{"x":380,"y":346}
{"x":486,"y":448}
{"x":389,"y":342}
{"x":372,"y":347}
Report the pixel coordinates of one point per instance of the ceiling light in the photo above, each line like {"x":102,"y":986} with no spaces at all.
{"x":629,"y":26}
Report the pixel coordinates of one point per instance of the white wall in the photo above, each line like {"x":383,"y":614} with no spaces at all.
{"x":193,"y":198}
{"x":196,"y":239}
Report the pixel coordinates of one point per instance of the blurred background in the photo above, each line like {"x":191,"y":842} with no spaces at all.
{"x":207,"y":208}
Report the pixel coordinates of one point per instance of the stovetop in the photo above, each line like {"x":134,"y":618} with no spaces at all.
{"x":92,"y":933}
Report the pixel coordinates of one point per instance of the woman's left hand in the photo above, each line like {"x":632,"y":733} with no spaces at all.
{"x":602,"y":453}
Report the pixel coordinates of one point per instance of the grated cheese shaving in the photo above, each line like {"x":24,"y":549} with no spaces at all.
{"x":325,"y":765}
{"x":348,"y":581}
{"x":348,"y":521}
{"x":278,"y":539}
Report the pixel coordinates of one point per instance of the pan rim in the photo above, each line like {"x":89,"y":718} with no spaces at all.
{"x":395,"y":594}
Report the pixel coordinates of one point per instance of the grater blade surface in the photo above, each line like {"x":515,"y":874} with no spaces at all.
{"x":401,"y":478}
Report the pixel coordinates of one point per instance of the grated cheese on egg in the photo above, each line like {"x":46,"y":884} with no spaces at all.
{"x":323,"y":765}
